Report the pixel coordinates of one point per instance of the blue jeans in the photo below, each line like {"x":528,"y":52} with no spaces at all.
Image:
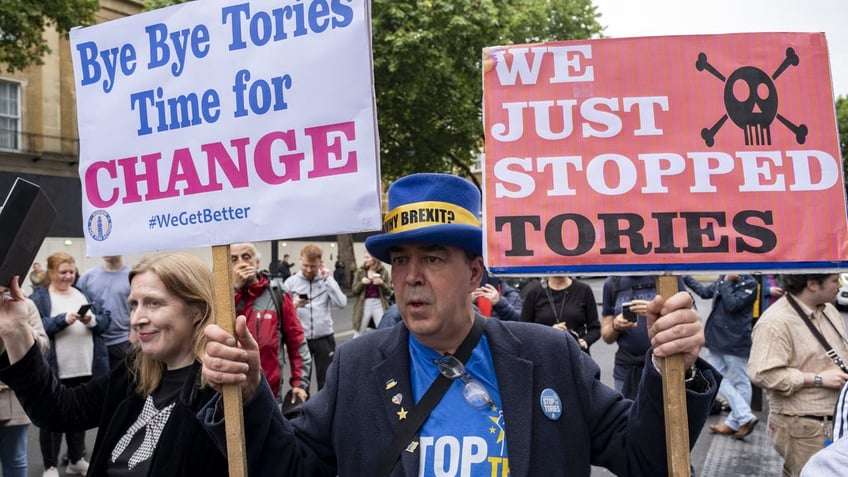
{"x":13,"y":450}
{"x":735,"y":387}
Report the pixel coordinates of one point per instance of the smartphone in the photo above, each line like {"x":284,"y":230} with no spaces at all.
{"x":303,"y":296}
{"x":627,"y":313}
{"x":84,"y":309}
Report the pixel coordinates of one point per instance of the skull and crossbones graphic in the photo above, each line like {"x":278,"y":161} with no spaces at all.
{"x":750,"y":98}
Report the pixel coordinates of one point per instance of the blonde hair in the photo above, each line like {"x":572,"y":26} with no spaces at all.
{"x":53,"y":263}
{"x":190,"y":280}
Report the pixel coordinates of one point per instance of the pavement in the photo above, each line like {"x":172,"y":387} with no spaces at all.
{"x":712,"y":456}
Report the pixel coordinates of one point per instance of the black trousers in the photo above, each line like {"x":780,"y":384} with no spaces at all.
{"x":51,"y":442}
{"x":322,"y":350}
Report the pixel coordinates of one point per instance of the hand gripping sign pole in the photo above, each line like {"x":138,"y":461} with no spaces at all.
{"x":224,"y":317}
{"x":674,"y":399}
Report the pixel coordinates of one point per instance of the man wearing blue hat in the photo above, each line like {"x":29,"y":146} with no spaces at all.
{"x":467,"y":396}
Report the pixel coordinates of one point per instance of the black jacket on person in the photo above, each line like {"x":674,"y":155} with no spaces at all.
{"x":111,"y":404}
{"x":57,"y":323}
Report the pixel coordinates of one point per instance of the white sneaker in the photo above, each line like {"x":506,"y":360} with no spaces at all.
{"x":79,"y":467}
{"x":50,"y":472}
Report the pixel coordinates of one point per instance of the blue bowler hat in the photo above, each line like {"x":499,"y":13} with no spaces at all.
{"x":430,"y":209}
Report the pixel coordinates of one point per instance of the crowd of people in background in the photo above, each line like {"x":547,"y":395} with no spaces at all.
{"x":293,"y":313}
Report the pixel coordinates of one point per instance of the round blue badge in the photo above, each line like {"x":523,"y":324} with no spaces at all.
{"x":551,"y":404}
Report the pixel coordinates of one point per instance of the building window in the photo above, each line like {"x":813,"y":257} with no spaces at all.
{"x":10,"y":115}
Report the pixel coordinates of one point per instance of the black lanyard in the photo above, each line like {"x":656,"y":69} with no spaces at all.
{"x":409,"y":426}
{"x":553,"y":305}
{"x":831,"y":353}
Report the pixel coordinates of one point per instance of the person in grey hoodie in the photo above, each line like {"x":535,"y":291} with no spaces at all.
{"x":314,"y":293}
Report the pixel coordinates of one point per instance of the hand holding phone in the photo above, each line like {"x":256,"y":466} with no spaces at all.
{"x":84,"y":309}
{"x":628,"y":313}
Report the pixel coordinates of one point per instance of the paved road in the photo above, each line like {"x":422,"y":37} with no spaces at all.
{"x":717,"y":456}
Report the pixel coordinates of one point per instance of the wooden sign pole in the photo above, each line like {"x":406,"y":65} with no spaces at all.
{"x":674,"y":399}
{"x":225,"y":318}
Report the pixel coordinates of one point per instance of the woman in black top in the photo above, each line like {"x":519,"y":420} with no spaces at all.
{"x":564,"y":303}
{"x":145,"y":407}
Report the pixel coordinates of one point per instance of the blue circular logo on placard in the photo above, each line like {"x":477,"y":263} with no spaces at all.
{"x":551,"y":404}
{"x":99,"y":225}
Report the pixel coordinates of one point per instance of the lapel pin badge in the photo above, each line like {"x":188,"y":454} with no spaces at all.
{"x":551,"y":404}
{"x":391,"y":383}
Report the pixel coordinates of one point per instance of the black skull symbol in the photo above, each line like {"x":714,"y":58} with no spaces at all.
{"x":751,"y":101}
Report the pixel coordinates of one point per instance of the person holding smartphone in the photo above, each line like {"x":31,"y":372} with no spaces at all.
{"x":631,"y":332}
{"x":77,"y":351}
{"x":371,"y":287}
{"x":315,"y":292}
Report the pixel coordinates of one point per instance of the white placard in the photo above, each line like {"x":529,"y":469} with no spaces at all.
{"x":215,"y":122}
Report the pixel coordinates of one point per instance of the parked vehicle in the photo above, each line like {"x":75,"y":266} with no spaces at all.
{"x":842,"y":296}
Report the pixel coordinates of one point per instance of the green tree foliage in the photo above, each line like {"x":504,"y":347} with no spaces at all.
{"x":154,"y":4}
{"x":427,"y":71}
{"x":842,"y":125}
{"x":22,"y":25}
{"x":428,"y":81}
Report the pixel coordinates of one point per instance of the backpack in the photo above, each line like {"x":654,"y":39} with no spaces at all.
{"x":278,"y":294}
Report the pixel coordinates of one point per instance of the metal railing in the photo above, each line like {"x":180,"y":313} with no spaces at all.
{"x":40,"y":146}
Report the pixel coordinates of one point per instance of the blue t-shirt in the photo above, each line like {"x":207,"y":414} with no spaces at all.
{"x":458,"y":439}
{"x":635,"y":340}
{"x":110,"y":290}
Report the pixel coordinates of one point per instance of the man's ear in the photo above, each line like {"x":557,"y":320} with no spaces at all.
{"x":476,"y":271}
{"x":812,"y":285}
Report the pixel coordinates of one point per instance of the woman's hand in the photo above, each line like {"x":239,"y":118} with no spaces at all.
{"x":15,"y":330}
{"x":84,"y":319}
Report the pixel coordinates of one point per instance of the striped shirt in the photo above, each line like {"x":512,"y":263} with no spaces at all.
{"x":840,"y":415}
{"x":784,"y":349}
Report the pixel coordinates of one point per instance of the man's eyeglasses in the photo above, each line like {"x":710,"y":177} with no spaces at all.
{"x":475,"y":394}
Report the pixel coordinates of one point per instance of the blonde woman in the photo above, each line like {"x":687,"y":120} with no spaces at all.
{"x":144,"y":408}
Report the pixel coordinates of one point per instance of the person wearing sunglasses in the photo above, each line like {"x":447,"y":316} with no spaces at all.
{"x":511,"y":398}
